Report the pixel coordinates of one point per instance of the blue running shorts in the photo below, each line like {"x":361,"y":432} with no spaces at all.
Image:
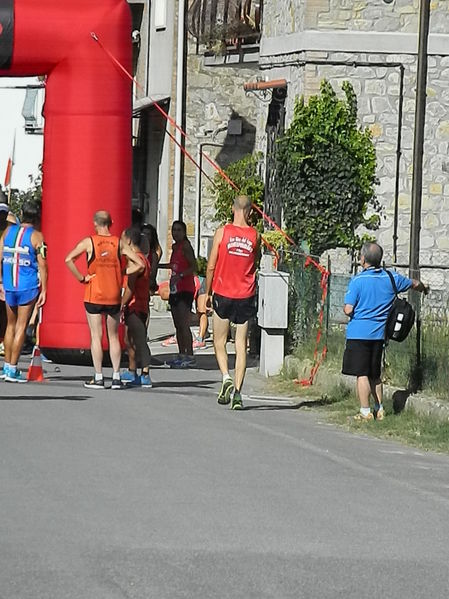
{"x":21,"y":298}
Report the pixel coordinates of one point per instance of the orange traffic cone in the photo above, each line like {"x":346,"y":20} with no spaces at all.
{"x":35,"y":372}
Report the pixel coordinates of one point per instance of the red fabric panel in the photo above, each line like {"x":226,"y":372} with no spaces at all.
{"x":87,"y":145}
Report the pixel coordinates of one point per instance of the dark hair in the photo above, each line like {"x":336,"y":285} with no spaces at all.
{"x":134,"y":235}
{"x":372,"y":252}
{"x":181,"y":224}
{"x":31,"y":213}
{"x":151,"y":234}
{"x":136,"y":217}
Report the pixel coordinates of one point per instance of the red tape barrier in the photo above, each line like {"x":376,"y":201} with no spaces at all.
{"x":317,"y":359}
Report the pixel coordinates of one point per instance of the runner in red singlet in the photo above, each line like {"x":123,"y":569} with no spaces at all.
{"x":231,"y":276}
{"x":102,"y":295}
{"x":182,"y":289}
{"x":135,"y":307}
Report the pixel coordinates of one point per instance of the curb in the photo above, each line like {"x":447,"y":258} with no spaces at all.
{"x":420,"y":403}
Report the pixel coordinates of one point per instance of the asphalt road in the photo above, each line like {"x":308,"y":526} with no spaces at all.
{"x":163,"y":494}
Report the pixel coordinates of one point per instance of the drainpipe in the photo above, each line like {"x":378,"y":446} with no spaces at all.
{"x":179,"y":114}
{"x":199,"y":159}
{"x":398,"y":164}
{"x":199,"y":182}
{"x":261,"y":85}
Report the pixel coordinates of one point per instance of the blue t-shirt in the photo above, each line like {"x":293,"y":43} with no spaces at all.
{"x":371,"y":293}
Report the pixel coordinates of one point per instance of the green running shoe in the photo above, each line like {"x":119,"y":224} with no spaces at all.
{"x":224,"y":397}
{"x":237,"y":403}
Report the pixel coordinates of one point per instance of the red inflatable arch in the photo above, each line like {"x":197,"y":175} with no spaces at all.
{"x":87,"y":137}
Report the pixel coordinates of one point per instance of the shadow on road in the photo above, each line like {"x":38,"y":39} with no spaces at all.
{"x":45,"y":397}
{"x":183,"y":384}
{"x":288,"y":406}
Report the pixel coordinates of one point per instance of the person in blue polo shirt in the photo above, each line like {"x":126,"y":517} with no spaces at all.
{"x":368,"y":300}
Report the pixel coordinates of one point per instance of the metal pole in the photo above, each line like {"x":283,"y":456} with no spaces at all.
{"x":418,"y":150}
{"x":180,"y":72}
{"x":199,"y":160}
{"x":418,"y":142}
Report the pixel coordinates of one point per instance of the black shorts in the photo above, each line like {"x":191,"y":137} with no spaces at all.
{"x":182,"y":297}
{"x":102,"y":309}
{"x":363,"y":358}
{"x":237,"y":311}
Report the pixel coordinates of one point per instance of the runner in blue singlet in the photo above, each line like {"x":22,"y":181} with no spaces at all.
{"x":24,"y":283}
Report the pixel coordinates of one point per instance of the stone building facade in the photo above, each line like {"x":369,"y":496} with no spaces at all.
{"x":220,"y":122}
{"x":374,"y":45}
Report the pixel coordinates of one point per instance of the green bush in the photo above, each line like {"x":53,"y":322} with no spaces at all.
{"x":325,"y":172}
{"x":33,"y":193}
{"x":245,"y":174}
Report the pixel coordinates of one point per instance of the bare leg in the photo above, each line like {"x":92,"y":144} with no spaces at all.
{"x":241,"y":341}
{"x":115,"y":351}
{"x":376,"y":390}
{"x":8,"y":341}
{"x":202,"y":313}
{"x":95,"y":322}
{"x":221,"y":329}
{"x":363,"y":391}
{"x":21,"y":316}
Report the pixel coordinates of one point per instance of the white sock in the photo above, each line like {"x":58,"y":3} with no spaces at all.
{"x":227,"y":377}
{"x":98,"y":376}
{"x":116,"y":375}
{"x":365,"y":411}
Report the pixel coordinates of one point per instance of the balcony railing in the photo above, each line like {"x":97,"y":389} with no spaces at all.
{"x":223,"y":23}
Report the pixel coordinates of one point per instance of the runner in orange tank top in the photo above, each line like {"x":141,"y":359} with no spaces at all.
{"x":102,"y":294}
{"x":231,"y":276}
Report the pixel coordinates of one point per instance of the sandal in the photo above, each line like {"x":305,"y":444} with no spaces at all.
{"x":361,"y":418}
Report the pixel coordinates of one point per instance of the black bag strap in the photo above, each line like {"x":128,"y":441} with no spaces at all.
{"x":395,"y":289}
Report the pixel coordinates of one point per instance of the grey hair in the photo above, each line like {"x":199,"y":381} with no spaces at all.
{"x":373,"y":253}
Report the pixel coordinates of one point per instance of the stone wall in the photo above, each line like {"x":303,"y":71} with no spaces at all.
{"x":287,"y":16}
{"x":377,"y":88}
{"x":376,"y":79}
{"x":215,"y":95}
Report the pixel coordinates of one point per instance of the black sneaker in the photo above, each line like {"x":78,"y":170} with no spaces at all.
{"x":224,"y":397}
{"x":117,"y":384}
{"x":237,"y":403}
{"x":95,"y":384}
